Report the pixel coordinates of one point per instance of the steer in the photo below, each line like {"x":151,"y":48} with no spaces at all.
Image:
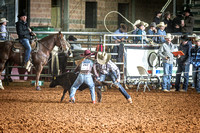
{"x":66,"y":80}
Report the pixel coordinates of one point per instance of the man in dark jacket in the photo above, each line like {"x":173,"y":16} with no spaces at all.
{"x":183,"y":63}
{"x":24,"y":33}
{"x":187,"y":27}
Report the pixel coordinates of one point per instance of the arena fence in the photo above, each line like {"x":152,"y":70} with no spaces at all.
{"x":89,"y":40}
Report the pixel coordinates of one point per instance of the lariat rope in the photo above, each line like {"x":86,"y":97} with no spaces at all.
{"x":121,"y":16}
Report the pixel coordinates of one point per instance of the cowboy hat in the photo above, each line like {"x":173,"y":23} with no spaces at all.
{"x":137,"y":22}
{"x":197,"y":38}
{"x":146,"y":24}
{"x":86,"y":53}
{"x":21,"y":14}
{"x":161,"y":24}
{"x":103,"y":57}
{"x":185,"y":38}
{"x":3,"y":20}
{"x":168,"y":36}
{"x":123,"y":27}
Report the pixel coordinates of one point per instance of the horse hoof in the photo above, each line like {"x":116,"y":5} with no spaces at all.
{"x":38,"y":88}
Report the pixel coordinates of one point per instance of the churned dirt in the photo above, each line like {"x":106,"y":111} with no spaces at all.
{"x":23,"y":109}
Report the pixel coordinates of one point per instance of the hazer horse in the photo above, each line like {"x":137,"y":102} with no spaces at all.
{"x":39,"y":57}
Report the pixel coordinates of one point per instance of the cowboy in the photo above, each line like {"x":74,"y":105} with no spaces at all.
{"x":161,"y":31}
{"x":107,"y":68}
{"x":84,"y":67}
{"x":3,"y":23}
{"x":24,"y":33}
{"x":168,"y":21}
{"x":183,"y":63}
{"x":152,"y":31}
{"x":195,"y":61}
{"x":141,"y":31}
{"x":121,"y":30}
{"x":187,"y":26}
{"x":165,"y":51}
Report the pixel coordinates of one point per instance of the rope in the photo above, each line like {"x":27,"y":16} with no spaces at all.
{"x":121,"y":16}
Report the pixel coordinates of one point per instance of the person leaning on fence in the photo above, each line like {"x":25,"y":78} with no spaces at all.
{"x":121,"y":30}
{"x":161,"y":31}
{"x":152,"y":31}
{"x":165,"y":51}
{"x":107,"y":68}
{"x":3,"y":29}
{"x":183,"y":63}
{"x":195,"y":61}
{"x":24,"y":33}
{"x":84,"y":67}
{"x":141,"y":31}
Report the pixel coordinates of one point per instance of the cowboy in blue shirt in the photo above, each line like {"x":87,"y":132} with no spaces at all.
{"x":195,"y":61}
{"x":121,"y":30}
{"x":161,"y":31}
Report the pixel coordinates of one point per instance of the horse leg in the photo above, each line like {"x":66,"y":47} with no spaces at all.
{"x":38,"y":72}
{"x":2,"y":66}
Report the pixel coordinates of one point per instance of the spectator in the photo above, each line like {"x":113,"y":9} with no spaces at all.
{"x":152,"y":31}
{"x":107,"y":68}
{"x":3,"y":23}
{"x":195,"y":61}
{"x":156,"y":19}
{"x":85,"y":68}
{"x":187,"y":26}
{"x":74,"y":46}
{"x":121,"y":30}
{"x":167,"y":20}
{"x":165,"y":51}
{"x":120,"y":39}
{"x":141,"y":31}
{"x":177,"y":23}
{"x":183,"y":63}
{"x":161,"y":31}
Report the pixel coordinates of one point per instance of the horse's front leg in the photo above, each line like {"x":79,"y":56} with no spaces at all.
{"x":2,"y":66}
{"x":38,"y":72}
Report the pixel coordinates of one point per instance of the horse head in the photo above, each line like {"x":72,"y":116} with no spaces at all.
{"x":63,"y":44}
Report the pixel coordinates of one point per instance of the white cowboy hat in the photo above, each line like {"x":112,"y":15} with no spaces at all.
{"x":103,"y":57}
{"x":169,"y":36}
{"x":3,"y":20}
{"x":137,"y":22}
{"x":161,"y":24}
{"x":197,"y":38}
{"x":146,"y":24}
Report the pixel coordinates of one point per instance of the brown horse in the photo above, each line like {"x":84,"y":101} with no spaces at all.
{"x":39,"y":57}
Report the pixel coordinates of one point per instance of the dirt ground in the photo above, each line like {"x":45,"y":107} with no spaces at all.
{"x":23,"y":109}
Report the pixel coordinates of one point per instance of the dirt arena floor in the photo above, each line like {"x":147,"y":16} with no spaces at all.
{"x":23,"y":109}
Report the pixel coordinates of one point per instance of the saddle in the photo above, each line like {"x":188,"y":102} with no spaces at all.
{"x":18,"y":47}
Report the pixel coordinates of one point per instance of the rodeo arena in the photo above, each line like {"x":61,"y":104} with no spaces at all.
{"x":99,"y":66}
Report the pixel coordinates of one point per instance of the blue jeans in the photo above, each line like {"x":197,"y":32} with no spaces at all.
{"x":167,"y":68}
{"x":113,"y":77}
{"x":196,"y":72}
{"x":185,"y":69}
{"x":83,"y":78}
{"x":25,"y":42}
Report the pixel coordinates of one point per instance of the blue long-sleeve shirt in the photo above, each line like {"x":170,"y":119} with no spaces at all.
{"x":119,"y":37}
{"x":161,"y":39}
{"x":141,"y":32}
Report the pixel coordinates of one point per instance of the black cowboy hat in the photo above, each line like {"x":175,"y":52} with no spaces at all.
{"x":185,"y":38}
{"x":22,"y":14}
{"x":158,"y":12}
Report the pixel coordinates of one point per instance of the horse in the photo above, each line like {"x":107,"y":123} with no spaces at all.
{"x":39,"y":57}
